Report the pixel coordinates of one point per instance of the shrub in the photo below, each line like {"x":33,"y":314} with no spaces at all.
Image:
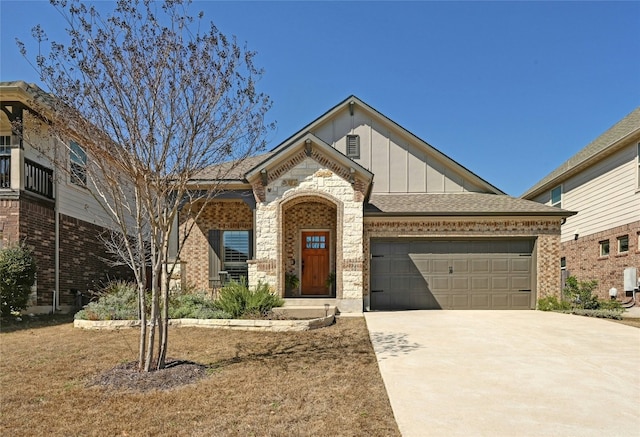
{"x":118,"y":301}
{"x":236,"y":299}
{"x":580,"y":293}
{"x":17,"y":275}
{"x":194,"y":306}
{"x":551,"y":303}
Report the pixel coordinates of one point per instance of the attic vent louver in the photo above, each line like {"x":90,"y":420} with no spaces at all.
{"x":353,"y":146}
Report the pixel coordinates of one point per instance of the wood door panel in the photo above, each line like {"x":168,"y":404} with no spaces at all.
{"x":315,"y":262}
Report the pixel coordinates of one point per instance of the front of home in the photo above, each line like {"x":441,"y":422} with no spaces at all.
{"x":367,"y":216}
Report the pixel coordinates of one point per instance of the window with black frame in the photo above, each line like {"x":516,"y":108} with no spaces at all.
{"x":235,"y":245}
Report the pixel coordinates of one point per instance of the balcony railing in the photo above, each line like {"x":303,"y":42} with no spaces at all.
{"x":5,"y":171}
{"x":38,"y":179}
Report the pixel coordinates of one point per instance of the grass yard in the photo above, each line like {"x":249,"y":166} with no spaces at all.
{"x":322,"y":382}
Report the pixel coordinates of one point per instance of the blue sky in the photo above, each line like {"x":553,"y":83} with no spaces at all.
{"x":510,"y":90}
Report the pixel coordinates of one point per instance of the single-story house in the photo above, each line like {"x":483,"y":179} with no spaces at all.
{"x":367,"y":216}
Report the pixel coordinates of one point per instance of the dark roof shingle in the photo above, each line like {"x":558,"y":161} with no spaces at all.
{"x":439,"y":204}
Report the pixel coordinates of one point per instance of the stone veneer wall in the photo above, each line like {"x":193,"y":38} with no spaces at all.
{"x":219,"y":214}
{"x":547,"y":232}
{"x":585,"y":263}
{"x":305,"y":177}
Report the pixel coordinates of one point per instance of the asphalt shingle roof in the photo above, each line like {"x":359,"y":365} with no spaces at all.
{"x":232,"y":170}
{"x":623,"y":128}
{"x":457,"y":204}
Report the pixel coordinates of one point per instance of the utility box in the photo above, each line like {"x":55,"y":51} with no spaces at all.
{"x":630,"y":280}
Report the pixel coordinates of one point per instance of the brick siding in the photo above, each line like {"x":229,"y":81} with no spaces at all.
{"x":223,"y":214}
{"x":583,"y":258}
{"x":546,"y":232}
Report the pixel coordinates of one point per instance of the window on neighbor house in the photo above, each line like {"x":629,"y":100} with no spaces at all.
{"x":563,"y":263}
{"x":77,"y":164}
{"x":353,"y":146}
{"x":623,"y":244}
{"x":638,"y":162}
{"x":556,"y":197}
{"x":604,"y":248}
{"x":5,"y":161}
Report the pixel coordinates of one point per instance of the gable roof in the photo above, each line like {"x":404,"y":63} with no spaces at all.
{"x":353,"y":100}
{"x":457,"y":204}
{"x":606,"y":144}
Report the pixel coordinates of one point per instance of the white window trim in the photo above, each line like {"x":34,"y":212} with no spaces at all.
{"x":620,"y":238}
{"x":558,"y":204}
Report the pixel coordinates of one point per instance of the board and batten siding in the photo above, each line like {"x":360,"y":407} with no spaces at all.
{"x":399,"y":162}
{"x":604,"y":195}
{"x":73,"y":201}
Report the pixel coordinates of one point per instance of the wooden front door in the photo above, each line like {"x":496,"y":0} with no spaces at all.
{"x":315,"y":263}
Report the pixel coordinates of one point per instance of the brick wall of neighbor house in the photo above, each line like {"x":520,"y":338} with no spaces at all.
{"x":37,"y":230}
{"x":583,"y":258}
{"x":82,"y":260}
{"x":9,"y":217}
{"x":547,"y":233}
{"x":222,"y":214}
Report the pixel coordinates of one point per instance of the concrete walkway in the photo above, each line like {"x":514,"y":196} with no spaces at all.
{"x":508,"y":373}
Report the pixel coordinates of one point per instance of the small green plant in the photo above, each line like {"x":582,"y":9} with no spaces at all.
{"x":551,"y":303}
{"x":291,"y":282}
{"x":17,"y":275}
{"x":239,"y":301}
{"x":118,"y":301}
{"x":580,"y":293}
{"x":330,"y":281}
{"x":194,"y":306}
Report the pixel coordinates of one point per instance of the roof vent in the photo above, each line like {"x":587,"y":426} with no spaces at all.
{"x":353,"y":146}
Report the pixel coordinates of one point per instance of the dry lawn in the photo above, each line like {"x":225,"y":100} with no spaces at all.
{"x":323,"y":382}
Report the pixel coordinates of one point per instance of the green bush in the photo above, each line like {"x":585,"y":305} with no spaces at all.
{"x":194,"y":306}
{"x":17,"y":276}
{"x":551,"y":303}
{"x":580,"y":293}
{"x":239,"y":301}
{"x":118,"y":301}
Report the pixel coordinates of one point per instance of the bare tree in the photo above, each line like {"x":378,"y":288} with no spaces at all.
{"x":153,"y":99}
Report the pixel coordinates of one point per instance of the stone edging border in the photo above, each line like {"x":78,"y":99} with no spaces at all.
{"x":245,"y":325}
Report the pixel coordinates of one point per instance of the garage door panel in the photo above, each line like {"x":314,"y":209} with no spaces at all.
{"x":460,"y":266}
{"x":452,"y":274}
{"x":480,"y":266}
{"x":521,"y":283}
{"x":460,"y":301}
{"x":499,"y":265}
{"x":480,"y":283}
{"x":461,"y":283}
{"x":521,"y":300}
{"x":521,"y":265}
{"x":480,"y":301}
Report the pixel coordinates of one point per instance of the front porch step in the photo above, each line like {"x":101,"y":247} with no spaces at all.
{"x":310,"y":301}
{"x":306,"y":311}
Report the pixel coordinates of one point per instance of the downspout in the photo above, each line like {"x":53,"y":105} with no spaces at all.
{"x":56,"y":291}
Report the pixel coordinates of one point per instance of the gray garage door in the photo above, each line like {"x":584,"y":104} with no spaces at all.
{"x":452,"y":274}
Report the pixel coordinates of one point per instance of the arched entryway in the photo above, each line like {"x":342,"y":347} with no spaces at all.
{"x":309,"y":259}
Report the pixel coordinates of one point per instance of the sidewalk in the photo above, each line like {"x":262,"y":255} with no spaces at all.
{"x":632,"y":313}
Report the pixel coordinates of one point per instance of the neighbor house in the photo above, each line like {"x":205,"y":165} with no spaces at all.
{"x":48,"y":208}
{"x":602,"y":183}
{"x":365,"y":215}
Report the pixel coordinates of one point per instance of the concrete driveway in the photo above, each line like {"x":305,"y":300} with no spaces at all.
{"x":508,"y":373}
